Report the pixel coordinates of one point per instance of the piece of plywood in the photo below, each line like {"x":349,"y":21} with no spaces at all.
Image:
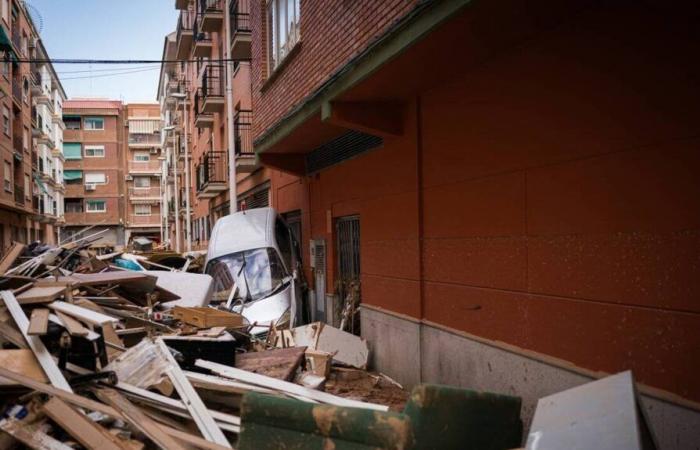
{"x":138,"y":419}
{"x":11,"y":256}
{"x":90,"y":434}
{"x":207,"y":317}
{"x":21,"y":361}
{"x":277,"y":363}
{"x":86,"y":403}
{"x":41,"y":294}
{"x":83,"y":314}
{"x":42,"y":354}
{"x":345,"y":347}
{"x":38,"y":322}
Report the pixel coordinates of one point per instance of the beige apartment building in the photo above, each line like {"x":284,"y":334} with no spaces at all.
{"x":31,"y":100}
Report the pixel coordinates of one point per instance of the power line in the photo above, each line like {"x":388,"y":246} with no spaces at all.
{"x":126,"y":61}
{"x":100,"y":70}
{"x":127,"y":72}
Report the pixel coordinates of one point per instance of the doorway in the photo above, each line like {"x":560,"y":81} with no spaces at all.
{"x":348,"y":276}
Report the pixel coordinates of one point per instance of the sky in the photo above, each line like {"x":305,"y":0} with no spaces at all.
{"x":106,"y":29}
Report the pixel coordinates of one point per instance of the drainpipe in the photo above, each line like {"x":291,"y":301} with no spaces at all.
{"x":232,"y":195}
{"x":188,"y":218}
{"x":177,"y":202}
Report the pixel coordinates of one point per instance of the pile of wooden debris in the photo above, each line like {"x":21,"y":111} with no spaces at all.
{"x":97,"y":356}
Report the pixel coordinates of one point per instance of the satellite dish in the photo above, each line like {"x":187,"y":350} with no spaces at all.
{"x":35,"y":15}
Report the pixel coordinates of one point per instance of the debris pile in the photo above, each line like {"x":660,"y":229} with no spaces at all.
{"x":124,"y":351}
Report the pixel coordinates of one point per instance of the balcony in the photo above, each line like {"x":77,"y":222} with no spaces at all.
{"x":212,"y":89}
{"x":17,"y":90}
{"x":202,"y":39}
{"x":240,"y":30}
{"x":181,"y":4}
{"x":138,"y":220}
{"x":144,"y":140}
{"x":246,"y":162}
{"x":201,"y":119}
{"x":149,"y":167}
{"x":19,"y":195}
{"x":212,"y":13}
{"x":211,"y":174}
{"x":136,"y":194}
{"x":185,"y":35}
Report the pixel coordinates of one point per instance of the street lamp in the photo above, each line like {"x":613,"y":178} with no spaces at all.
{"x":180,"y":97}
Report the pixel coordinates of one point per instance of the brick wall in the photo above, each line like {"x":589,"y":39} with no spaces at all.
{"x":327,"y":27}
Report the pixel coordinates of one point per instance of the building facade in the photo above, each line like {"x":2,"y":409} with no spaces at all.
{"x":31,"y":98}
{"x":193,"y":100}
{"x":513,"y":186}
{"x":142,"y":168}
{"x":94,"y":172}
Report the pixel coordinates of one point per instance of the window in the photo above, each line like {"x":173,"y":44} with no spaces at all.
{"x":96,"y":206}
{"x":6,"y":120}
{"x":73,"y":205}
{"x":6,"y":11}
{"x":95,"y":178}
{"x":72,"y":151}
{"x":142,"y":182}
{"x":7,"y":182}
{"x":73,"y":176}
{"x":142,"y":210}
{"x":71,"y":122}
{"x":283,"y":29}
{"x":94,"y":151}
{"x":6,"y":66}
{"x":25,"y":139}
{"x":94,"y":123}
{"x":27,"y":186}
{"x":142,"y":156}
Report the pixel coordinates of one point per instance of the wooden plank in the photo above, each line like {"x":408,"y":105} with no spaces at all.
{"x":204,"y":317}
{"x":21,"y":361}
{"x":38,"y":322}
{"x":42,"y":354}
{"x":11,"y":256}
{"x":86,"y":403}
{"x":200,"y":414}
{"x":90,"y":434}
{"x":112,"y":341}
{"x":73,"y":327}
{"x":31,"y":435}
{"x":41,"y":294}
{"x":285,"y":386}
{"x":278,"y":363}
{"x":138,"y":419}
{"x":86,"y":315}
{"x":13,"y":336}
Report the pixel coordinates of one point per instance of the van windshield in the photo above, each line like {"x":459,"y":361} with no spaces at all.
{"x":257,"y":273}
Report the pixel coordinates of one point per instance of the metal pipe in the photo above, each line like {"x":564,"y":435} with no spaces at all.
{"x":232,"y":195}
{"x":177,"y":201}
{"x":188,"y":217}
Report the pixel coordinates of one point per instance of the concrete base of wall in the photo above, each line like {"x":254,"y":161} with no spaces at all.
{"x":412,"y":352}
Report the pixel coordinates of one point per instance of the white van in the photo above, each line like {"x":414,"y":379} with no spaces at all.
{"x":255,"y":252}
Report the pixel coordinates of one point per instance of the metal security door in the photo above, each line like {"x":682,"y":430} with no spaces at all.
{"x":348,"y":279}
{"x":318,"y":266}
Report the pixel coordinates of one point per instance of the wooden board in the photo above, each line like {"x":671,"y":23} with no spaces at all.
{"x":42,"y":354}
{"x":41,"y":294}
{"x":21,"y":361}
{"x":38,"y":322}
{"x":31,"y":435}
{"x":111,"y":337}
{"x":278,"y":363}
{"x":83,"y":314}
{"x":73,"y":327}
{"x":138,"y":419}
{"x":204,"y":317}
{"x":90,"y":434}
{"x":11,"y":256}
{"x":86,"y":403}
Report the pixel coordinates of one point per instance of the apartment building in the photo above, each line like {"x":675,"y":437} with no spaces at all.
{"x":31,"y":99}
{"x":94,"y":170}
{"x":142,"y":167}
{"x":201,"y":130}
{"x":513,"y":184}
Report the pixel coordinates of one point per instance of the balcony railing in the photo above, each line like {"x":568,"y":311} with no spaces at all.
{"x":17,"y":89}
{"x":211,"y":174}
{"x":202,"y":38}
{"x":210,"y":5}
{"x":240,"y":17}
{"x":149,"y":192}
{"x":184,"y":33}
{"x":144,"y":139}
{"x":16,"y":38}
{"x":144,"y":220}
{"x":145,"y":166}
{"x":213,"y":81}
{"x":242,"y":134}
